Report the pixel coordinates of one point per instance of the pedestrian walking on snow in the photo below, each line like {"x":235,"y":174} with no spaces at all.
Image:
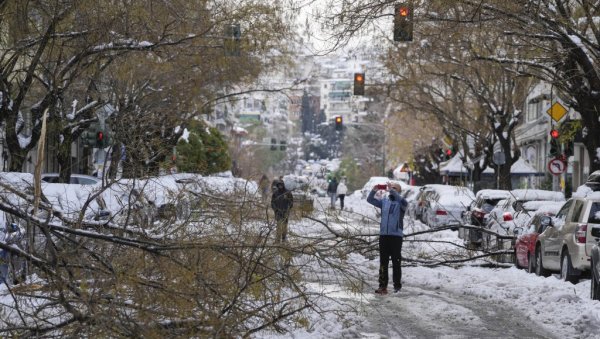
{"x":332,"y":191}
{"x":393,"y":206}
{"x":341,"y":193}
{"x":282,"y":202}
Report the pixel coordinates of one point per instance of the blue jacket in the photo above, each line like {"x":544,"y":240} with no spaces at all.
{"x":392,"y":213}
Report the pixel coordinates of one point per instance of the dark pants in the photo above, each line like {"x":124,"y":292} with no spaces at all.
{"x":282,"y":227}
{"x":341,"y":196}
{"x":390,"y":246}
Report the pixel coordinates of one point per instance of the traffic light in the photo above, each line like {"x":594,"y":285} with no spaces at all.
{"x":359,"y":83}
{"x":339,"y":123}
{"x":100,"y":139}
{"x":282,"y":145}
{"x":231,"y":43}
{"x":273,"y":144}
{"x":555,"y":150}
{"x":403,"y":22}
{"x":569,"y":148}
{"x":449,"y":153}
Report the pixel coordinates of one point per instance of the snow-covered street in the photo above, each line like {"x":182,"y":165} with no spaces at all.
{"x":470,"y":301}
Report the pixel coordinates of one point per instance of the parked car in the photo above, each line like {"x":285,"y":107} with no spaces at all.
{"x":477,"y":214}
{"x":514,"y":212}
{"x":566,"y":244}
{"x":527,"y":237}
{"x":595,"y":267}
{"x":80,"y":179}
{"x":417,"y":206}
{"x":514,"y":216}
{"x":446,"y":204}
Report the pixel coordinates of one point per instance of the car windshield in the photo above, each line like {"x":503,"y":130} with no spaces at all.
{"x":487,"y":207}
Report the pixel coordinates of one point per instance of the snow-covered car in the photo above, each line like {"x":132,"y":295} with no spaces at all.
{"x":524,"y":255}
{"x":446,"y":204}
{"x":174,"y":196}
{"x":415,"y":208}
{"x":514,"y":212}
{"x":566,"y":244}
{"x":477,"y":214}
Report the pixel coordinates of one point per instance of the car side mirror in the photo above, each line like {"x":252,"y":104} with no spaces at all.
{"x":546,"y":221}
{"x":507,"y":216}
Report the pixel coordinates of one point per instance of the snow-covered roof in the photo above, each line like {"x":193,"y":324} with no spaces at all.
{"x":535,"y":194}
{"x":455,"y":166}
{"x":586,"y":192}
{"x":493,"y":194}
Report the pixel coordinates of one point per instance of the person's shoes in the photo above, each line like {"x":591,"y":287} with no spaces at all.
{"x":396,"y":290}
{"x":381,"y":290}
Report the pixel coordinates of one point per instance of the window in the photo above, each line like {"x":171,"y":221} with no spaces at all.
{"x":577,"y":211}
{"x":594,"y":213}
{"x":534,"y":109}
{"x":562,"y":214}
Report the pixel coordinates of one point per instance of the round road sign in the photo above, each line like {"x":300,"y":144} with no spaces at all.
{"x":556,"y":166}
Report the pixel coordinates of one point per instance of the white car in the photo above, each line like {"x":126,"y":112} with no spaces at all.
{"x":566,"y":244}
{"x":445,"y":205}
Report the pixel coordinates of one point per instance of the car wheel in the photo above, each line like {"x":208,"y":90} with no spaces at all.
{"x":539,"y":267}
{"x":530,"y":264}
{"x":567,"y":272}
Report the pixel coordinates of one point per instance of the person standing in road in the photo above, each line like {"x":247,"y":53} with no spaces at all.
{"x":282,"y":202}
{"x":332,"y":191}
{"x":263,"y":186}
{"x":341,"y":193}
{"x":393,"y":206}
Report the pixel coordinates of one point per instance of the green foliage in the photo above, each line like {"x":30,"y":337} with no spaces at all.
{"x":204,"y":152}
{"x":355,"y":176}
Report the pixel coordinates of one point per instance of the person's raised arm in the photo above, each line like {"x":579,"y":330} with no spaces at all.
{"x":371,"y":198}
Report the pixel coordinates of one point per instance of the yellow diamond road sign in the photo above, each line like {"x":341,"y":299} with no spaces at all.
{"x":557,"y":111}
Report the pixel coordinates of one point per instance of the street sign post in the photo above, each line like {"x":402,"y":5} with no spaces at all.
{"x":556,"y":166}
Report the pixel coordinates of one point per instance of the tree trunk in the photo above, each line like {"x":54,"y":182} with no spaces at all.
{"x":591,"y":138}
{"x":63,"y":157}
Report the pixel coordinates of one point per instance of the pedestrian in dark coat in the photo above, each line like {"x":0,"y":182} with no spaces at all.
{"x":332,"y":192}
{"x":391,"y":228}
{"x":282,"y":202}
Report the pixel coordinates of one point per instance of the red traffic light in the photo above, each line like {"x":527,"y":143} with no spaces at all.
{"x":358,"y":77}
{"x":100,"y":136}
{"x":403,"y":11}
{"x":448,"y":152}
{"x":338,"y":120}
{"x":554,"y":133}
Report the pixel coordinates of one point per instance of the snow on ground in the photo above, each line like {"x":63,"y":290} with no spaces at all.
{"x":562,"y":309}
